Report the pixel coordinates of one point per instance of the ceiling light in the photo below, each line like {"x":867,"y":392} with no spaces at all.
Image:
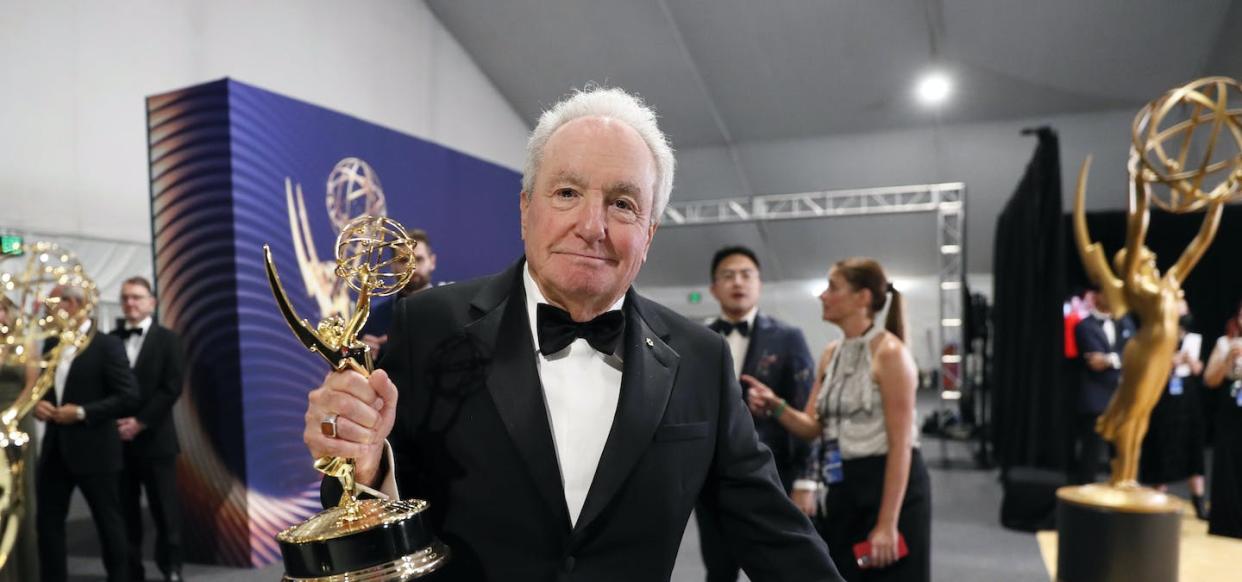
{"x":934,"y":88}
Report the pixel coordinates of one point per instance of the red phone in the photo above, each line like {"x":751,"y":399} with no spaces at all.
{"x":862,"y":551}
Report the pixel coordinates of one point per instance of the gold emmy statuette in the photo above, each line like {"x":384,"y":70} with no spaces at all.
{"x":360,"y":539}
{"x":1186,"y":156}
{"x":44,"y":295}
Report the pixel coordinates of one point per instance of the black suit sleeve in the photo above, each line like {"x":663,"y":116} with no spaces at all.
{"x":770,"y":537}
{"x":801,"y":372}
{"x":1086,"y":340}
{"x":119,"y":383}
{"x":168,"y":387}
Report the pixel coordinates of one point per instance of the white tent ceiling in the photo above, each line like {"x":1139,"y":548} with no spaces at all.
{"x":737,"y":72}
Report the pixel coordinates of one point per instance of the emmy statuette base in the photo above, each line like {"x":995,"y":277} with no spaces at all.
{"x":1112,"y":534}
{"x":416,"y":565}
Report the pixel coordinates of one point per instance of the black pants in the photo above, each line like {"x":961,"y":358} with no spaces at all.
{"x":1225,"y":518}
{"x":158,"y":477}
{"x":56,"y":484}
{"x":717,"y":558}
{"x":851,"y":511}
{"x":1091,"y":450}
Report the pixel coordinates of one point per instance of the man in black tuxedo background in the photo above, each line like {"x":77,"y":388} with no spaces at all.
{"x":766,"y":351}
{"x":150,"y":435}
{"x":81,"y":447}
{"x":561,"y":425}
{"x":1100,"y":338}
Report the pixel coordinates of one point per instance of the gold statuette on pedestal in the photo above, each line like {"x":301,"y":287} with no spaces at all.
{"x":1161,"y":174}
{"x":1185,"y":156}
{"x":371,"y":539}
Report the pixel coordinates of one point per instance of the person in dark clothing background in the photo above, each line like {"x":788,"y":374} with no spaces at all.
{"x":150,"y":435}
{"x":1100,"y":338}
{"x":82,"y":447}
{"x":765,"y":350}
{"x":1224,"y":375}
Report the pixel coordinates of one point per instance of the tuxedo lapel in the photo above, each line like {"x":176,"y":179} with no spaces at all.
{"x":513,"y":382}
{"x":148,"y":346}
{"x":646,"y":383}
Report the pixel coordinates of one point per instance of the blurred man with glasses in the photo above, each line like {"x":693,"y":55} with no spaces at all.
{"x":767,"y":351}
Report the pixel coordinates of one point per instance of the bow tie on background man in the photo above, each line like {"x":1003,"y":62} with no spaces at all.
{"x":725,"y":328}
{"x":557,"y":330}
{"x":129,"y":332}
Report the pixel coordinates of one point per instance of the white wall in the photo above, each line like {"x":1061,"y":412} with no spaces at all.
{"x":73,"y":152}
{"x":988,"y":157}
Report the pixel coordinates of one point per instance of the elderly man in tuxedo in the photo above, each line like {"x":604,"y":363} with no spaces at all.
{"x":150,"y":437}
{"x":561,"y":425}
{"x":81,"y":448}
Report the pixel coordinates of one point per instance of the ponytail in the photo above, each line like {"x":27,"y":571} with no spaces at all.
{"x":895,"y":321}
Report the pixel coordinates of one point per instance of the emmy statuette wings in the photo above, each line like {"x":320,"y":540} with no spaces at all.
{"x":370,"y":539}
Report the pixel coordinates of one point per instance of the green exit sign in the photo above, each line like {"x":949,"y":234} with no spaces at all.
{"x":695,"y":297}
{"x":10,"y":244}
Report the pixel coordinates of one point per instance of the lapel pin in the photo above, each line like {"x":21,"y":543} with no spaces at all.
{"x":650,"y":343}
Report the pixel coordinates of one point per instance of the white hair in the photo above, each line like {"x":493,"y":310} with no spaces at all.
{"x":608,"y":103}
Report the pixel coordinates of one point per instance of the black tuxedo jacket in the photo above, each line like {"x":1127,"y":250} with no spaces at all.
{"x":473,"y":438}
{"x":777,"y":356}
{"x":159,"y":370}
{"x":99,"y":381}
{"x":1097,"y":387}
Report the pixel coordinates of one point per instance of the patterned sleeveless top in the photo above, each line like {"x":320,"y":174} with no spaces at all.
{"x":850,"y":406}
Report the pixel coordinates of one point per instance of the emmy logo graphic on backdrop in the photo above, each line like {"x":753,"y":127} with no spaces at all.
{"x":353,"y":190}
{"x":45,"y":295}
{"x":1185,"y":157}
{"x":360,"y":539}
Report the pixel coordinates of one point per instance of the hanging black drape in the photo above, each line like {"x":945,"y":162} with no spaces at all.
{"x":1029,"y":417}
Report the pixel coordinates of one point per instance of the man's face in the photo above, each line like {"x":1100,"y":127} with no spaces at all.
{"x":136,"y":303}
{"x":1099,"y":301}
{"x":588,"y":224}
{"x":424,"y":266}
{"x":736,"y":285}
{"x":56,"y":301}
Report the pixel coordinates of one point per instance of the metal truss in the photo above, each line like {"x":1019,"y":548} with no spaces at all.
{"x":901,"y":199}
{"x":948,"y":201}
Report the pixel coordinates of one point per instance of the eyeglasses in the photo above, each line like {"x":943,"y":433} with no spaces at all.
{"x":745,"y":274}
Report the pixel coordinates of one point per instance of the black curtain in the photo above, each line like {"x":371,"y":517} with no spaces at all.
{"x":1029,"y":287}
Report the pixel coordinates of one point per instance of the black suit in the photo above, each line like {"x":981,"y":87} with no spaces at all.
{"x":1095,"y":390}
{"x":151,"y":458}
{"x":472,"y":437}
{"x":88,"y":455}
{"x":776,"y":355}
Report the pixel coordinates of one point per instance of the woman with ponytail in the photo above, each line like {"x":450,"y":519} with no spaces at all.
{"x":861,"y":415}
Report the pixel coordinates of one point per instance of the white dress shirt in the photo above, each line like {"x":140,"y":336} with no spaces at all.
{"x":1110,"y":333}
{"x":738,"y":343}
{"x":133,"y":343}
{"x":581,"y":388}
{"x":66,"y":361}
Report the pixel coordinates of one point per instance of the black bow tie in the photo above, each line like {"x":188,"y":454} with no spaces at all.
{"x":726,"y":328}
{"x":557,"y":330}
{"x":127,"y":332}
